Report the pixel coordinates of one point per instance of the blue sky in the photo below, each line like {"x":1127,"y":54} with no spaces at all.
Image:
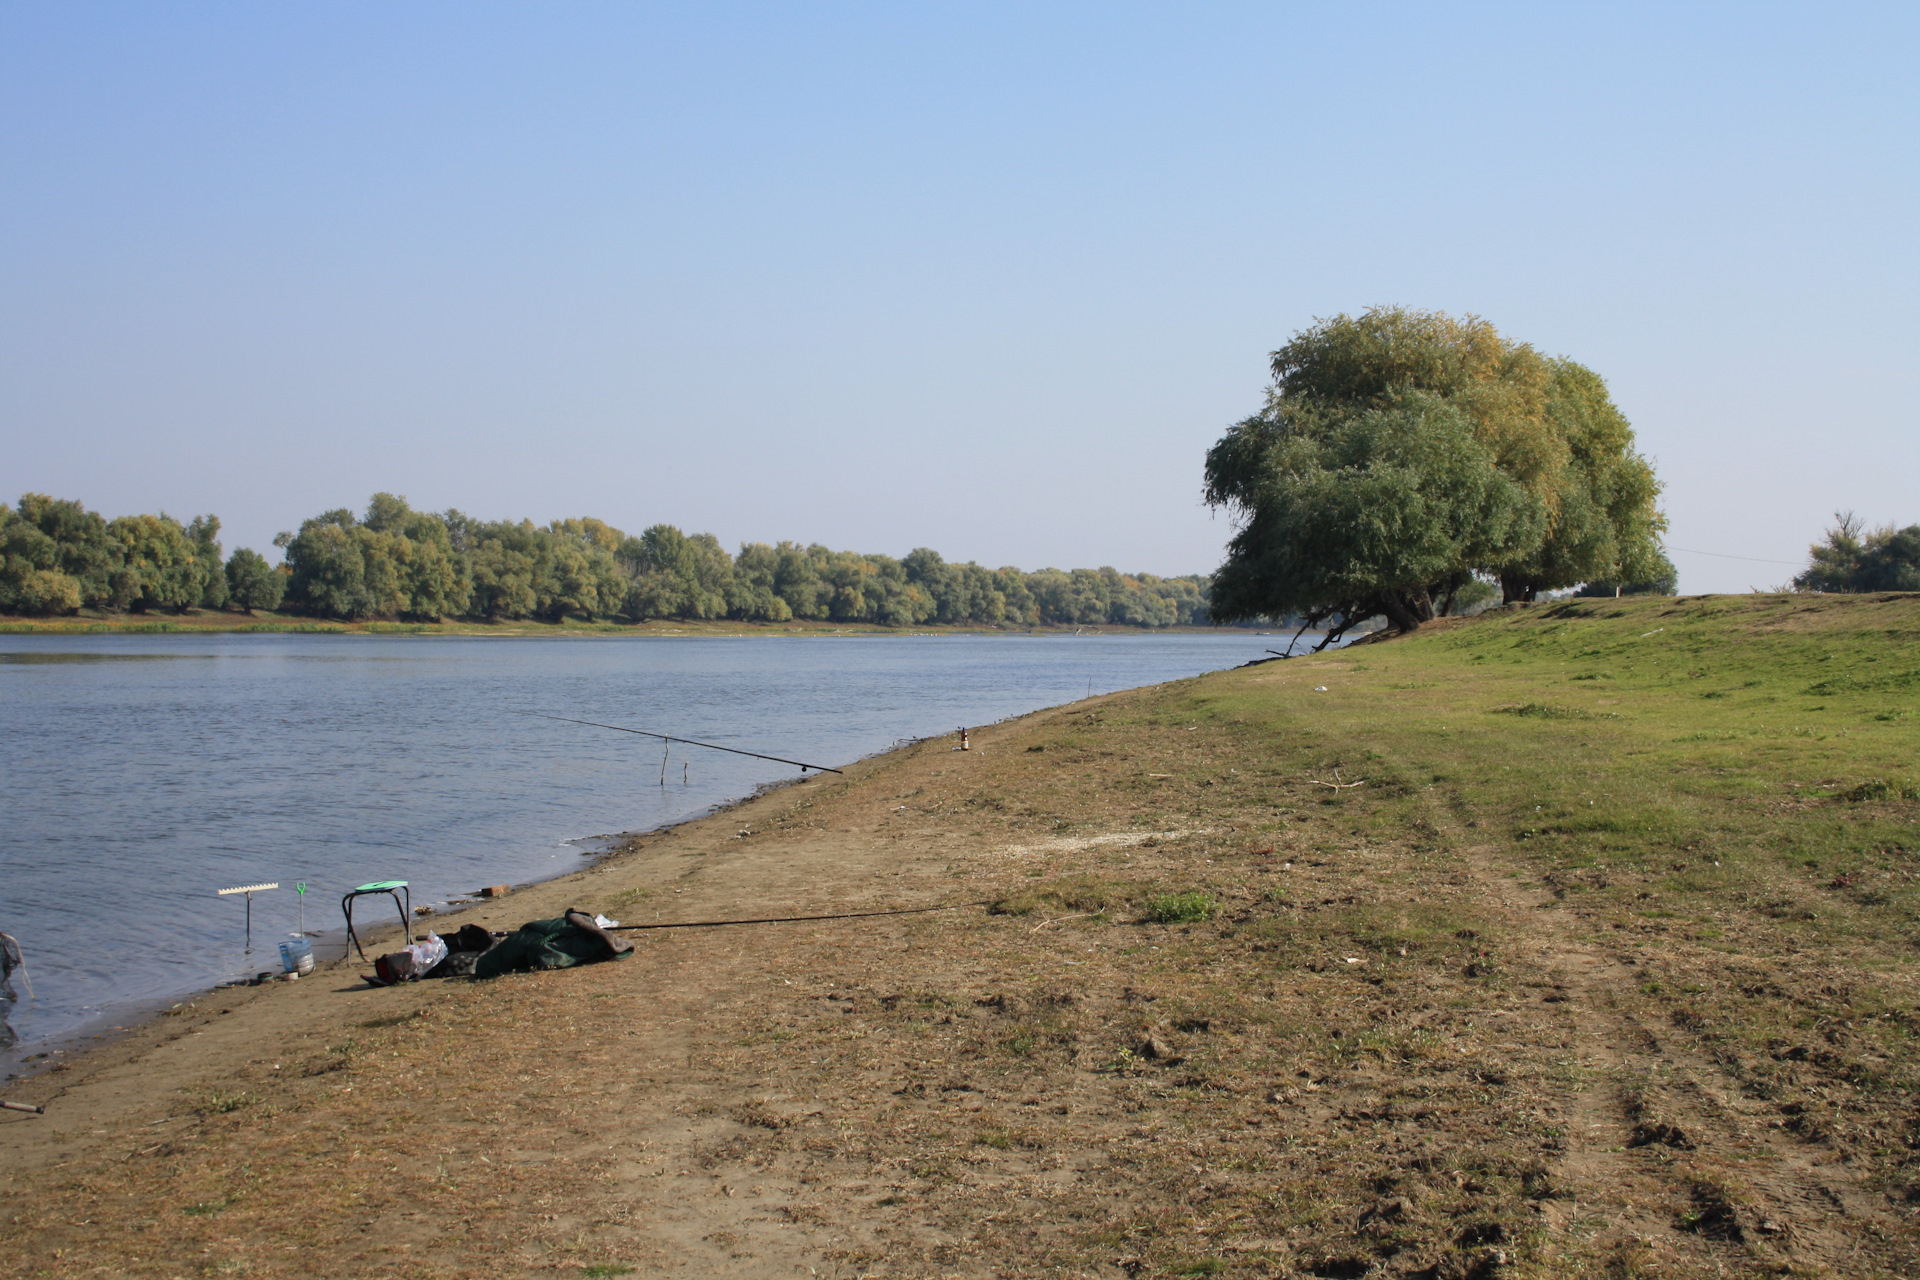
{"x":986,"y":278}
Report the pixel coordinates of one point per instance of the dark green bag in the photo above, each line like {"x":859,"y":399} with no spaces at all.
{"x":560,"y":943}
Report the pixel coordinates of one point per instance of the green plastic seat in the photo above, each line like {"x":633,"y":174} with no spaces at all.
{"x":393,"y":889}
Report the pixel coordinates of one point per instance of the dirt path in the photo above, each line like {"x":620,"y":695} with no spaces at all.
{"x":1642,"y":1112}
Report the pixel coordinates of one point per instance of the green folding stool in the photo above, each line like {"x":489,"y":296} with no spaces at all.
{"x":393,"y":889}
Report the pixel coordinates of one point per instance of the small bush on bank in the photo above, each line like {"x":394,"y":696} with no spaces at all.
{"x":1180,"y":908}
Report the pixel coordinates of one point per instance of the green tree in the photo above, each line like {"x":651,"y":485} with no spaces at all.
{"x":589,"y":581}
{"x":894,"y":600}
{"x":430,"y":579}
{"x":754,"y":595}
{"x":960,"y":593}
{"x":1854,"y":558}
{"x":675,"y":576}
{"x":796,"y":580}
{"x":46,"y":591}
{"x":1664,"y":581}
{"x":61,"y":537}
{"x":1052,"y":592}
{"x":160,"y":566}
{"x":1011,"y":583}
{"x":396,"y":562}
{"x":1602,"y":519}
{"x":327,"y":573}
{"x":843,"y":583}
{"x":503,"y":580}
{"x":515,"y":574}
{"x":204,"y":533}
{"x":1347,"y":517}
{"x":28,"y":582}
{"x":1502,"y":462}
{"x":1893,"y":562}
{"x":252,"y":583}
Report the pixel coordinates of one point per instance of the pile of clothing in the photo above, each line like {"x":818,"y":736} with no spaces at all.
{"x":561,"y":943}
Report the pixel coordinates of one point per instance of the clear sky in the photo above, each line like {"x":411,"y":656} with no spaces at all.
{"x":986,"y":278}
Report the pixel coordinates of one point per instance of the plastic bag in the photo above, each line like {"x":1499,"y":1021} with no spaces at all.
{"x":428,"y":952}
{"x":411,"y":962}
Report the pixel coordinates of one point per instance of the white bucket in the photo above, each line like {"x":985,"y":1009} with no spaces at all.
{"x":296,"y":956}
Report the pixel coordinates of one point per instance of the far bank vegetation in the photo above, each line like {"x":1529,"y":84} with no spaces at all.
{"x":395,"y":562}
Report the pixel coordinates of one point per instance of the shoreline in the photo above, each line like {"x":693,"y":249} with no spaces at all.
{"x":65,"y":1032}
{"x":28,"y":1059}
{"x":535,"y":899}
{"x":141,"y":1014}
{"x":206,"y":622}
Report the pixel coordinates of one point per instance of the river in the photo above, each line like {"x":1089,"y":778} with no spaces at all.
{"x":145,"y":772}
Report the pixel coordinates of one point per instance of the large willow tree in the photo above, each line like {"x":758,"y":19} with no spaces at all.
{"x":1401,"y":453}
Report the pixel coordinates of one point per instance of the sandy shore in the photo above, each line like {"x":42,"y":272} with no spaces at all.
{"x":246,"y":1052}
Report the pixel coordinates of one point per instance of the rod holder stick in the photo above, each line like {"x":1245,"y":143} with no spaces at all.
{"x":249,"y":890}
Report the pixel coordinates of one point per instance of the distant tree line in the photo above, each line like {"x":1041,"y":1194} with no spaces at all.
{"x":1665,"y":582}
{"x":395,"y":562}
{"x":57,"y":557}
{"x":1855,"y":558}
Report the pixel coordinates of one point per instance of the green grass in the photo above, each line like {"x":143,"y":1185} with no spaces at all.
{"x":1807,"y":752}
{"x":1180,"y":908}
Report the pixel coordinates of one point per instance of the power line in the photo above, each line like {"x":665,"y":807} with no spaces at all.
{"x":1721,"y":555}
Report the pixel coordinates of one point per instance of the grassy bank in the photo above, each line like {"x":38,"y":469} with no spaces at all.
{"x":1570,"y":940}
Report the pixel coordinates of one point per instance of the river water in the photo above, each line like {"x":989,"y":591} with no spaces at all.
{"x":143,"y":773}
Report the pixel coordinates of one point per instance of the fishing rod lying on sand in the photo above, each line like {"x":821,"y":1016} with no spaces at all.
{"x":667,"y":737}
{"x":843,"y":915}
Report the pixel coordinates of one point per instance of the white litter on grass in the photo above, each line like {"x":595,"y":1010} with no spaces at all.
{"x":1355,"y":960}
{"x":1319,"y":688}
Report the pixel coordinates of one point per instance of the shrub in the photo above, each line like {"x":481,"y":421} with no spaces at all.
{"x":1180,"y":908}
{"x":45,"y":591}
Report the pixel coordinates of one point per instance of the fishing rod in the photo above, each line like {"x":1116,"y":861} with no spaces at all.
{"x":667,"y":737}
{"x":843,"y":915}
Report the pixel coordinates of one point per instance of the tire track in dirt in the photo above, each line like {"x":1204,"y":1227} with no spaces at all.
{"x":1665,"y":1156}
